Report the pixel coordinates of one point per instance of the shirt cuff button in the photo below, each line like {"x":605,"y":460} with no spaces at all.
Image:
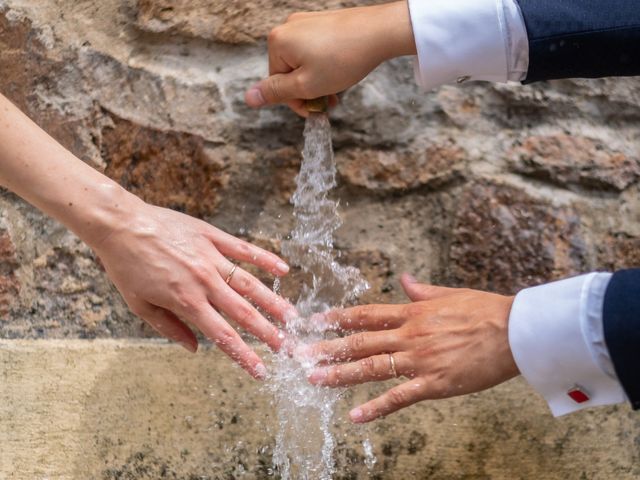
{"x":578,"y":395}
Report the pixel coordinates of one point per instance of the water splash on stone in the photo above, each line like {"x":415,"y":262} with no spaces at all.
{"x":304,"y":441}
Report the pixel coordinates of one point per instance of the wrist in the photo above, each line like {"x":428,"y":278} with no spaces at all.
{"x":394,"y":30}
{"x":110,"y":208}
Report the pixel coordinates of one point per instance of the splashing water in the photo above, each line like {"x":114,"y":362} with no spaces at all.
{"x":304,"y":441}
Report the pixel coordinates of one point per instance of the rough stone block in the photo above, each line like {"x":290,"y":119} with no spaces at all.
{"x":395,"y":170}
{"x":504,"y":239}
{"x":235,"y":22}
{"x":107,"y":410}
{"x":569,"y":160}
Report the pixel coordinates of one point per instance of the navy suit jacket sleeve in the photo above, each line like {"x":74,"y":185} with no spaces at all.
{"x":582,"y":38}
{"x":621,"y":321}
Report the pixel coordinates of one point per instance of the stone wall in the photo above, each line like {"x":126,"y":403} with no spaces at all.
{"x":487,"y":186}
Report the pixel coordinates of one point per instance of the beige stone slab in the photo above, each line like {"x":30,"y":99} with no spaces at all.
{"x":148,"y":410}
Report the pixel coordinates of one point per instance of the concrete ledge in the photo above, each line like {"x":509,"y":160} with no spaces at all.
{"x":148,"y":410}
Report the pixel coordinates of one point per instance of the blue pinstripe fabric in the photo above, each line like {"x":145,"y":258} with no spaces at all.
{"x":582,"y":38}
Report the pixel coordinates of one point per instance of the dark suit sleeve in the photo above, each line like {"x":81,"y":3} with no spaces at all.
{"x":582,"y":38}
{"x":621,"y":321}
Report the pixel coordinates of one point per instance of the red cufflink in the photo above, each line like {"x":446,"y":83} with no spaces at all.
{"x":578,"y":394}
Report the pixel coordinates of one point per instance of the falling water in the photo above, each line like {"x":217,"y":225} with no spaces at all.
{"x":304,"y":441}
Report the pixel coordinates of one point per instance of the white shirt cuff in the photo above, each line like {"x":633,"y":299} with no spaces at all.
{"x":460,"y":40}
{"x":557,"y":340}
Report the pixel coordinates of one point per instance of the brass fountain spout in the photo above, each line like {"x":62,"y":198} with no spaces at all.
{"x":317,"y":105}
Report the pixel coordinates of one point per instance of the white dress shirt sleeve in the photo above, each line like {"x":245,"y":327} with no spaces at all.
{"x":557,"y":340}
{"x":460,"y":40}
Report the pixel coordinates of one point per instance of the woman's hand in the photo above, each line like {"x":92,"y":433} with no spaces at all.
{"x":448,"y":342}
{"x":323,"y":53}
{"x":171,"y":270}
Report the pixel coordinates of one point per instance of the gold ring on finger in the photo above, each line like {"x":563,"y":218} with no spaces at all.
{"x":231,"y":272}
{"x":392,"y":365}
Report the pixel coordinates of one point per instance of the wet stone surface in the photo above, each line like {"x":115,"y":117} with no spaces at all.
{"x":486,"y":186}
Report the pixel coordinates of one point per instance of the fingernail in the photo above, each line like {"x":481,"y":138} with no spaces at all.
{"x":318,"y":375}
{"x":356,"y":415}
{"x":189,"y":347}
{"x":411,"y":279}
{"x":282,"y":267}
{"x":254,"y":97}
{"x":261,"y":371}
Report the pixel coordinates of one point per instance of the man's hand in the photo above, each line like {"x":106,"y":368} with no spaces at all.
{"x":323,"y":53}
{"x":448,"y":342}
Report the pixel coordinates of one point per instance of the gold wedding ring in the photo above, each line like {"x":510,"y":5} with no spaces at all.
{"x":233,"y":270}
{"x":392,"y":365}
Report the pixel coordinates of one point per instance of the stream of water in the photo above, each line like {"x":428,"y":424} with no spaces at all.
{"x":304,"y":440}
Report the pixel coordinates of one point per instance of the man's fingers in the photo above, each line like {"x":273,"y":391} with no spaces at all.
{"x":250,"y":287}
{"x":168,"y":325}
{"x":370,"y":369}
{"x":246,"y":252}
{"x":393,"y":400}
{"x":245,"y":315}
{"x":278,"y":88}
{"x":422,"y":291}
{"x":353,"y":347}
{"x":365,"y":317}
{"x":216,"y":329}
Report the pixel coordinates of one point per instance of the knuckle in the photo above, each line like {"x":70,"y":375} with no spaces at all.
{"x":186,"y":301}
{"x":275,"y":338}
{"x":334,"y":376}
{"x":225,"y":336}
{"x":274,"y":88}
{"x":365,"y":312}
{"x":200,"y":272}
{"x":412,"y":310}
{"x":245,"y":315}
{"x":244,"y":249}
{"x":397,"y":397}
{"x":274,"y":35}
{"x":292,"y":17}
{"x":368,"y":366}
{"x":356,"y":342}
{"x":243,"y":285}
{"x":302,"y":84}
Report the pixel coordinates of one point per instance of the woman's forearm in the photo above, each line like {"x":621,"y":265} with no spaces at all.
{"x":171,"y":269}
{"x":37,"y":168}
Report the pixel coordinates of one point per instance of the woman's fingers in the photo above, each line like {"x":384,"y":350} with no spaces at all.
{"x":242,"y":251}
{"x":216,"y":329}
{"x":370,"y":369}
{"x":250,"y":287}
{"x":365,"y":317}
{"x":391,"y":401}
{"x":224,"y":298}
{"x":353,"y":347}
{"x":168,"y":325}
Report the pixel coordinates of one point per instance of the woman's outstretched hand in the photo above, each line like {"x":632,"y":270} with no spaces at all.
{"x":448,"y":342}
{"x":323,"y":53}
{"x":172,"y":271}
